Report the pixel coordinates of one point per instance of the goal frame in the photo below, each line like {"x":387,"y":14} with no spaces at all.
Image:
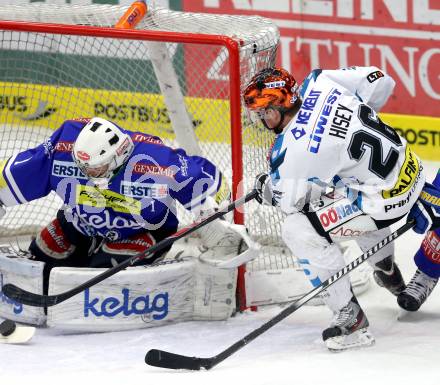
{"x":233,"y":48}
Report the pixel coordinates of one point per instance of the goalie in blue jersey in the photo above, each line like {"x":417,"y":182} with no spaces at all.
{"x":119,"y":189}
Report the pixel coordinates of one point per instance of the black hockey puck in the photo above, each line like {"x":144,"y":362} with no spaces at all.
{"x":7,"y":327}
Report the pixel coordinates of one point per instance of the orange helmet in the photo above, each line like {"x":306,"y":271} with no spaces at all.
{"x":271,"y":87}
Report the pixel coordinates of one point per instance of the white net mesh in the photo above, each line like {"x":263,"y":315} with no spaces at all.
{"x":47,"y":78}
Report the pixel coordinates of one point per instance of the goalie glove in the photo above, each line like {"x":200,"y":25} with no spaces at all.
{"x":426,"y":211}
{"x":227,"y":245}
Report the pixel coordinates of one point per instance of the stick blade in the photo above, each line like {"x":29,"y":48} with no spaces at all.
{"x":168,"y":360}
{"x":21,"y":335}
{"x":27,"y":298}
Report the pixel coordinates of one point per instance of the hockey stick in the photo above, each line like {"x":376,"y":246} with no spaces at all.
{"x":33,"y":299}
{"x":10,"y":333}
{"x":168,"y":360}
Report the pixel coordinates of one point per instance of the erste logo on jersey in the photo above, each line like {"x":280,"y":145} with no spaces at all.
{"x":64,"y":169}
{"x":144,"y":190}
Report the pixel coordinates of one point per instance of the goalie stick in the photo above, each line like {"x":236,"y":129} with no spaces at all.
{"x":168,"y":360}
{"x":32,"y":299}
{"x":10,"y":333}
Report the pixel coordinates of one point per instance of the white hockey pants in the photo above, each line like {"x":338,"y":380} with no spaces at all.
{"x":321,"y":259}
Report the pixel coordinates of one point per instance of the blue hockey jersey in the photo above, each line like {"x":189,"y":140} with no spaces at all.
{"x":141,"y":196}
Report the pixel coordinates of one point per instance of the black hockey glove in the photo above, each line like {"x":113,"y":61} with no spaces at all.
{"x":263,"y":187}
{"x":426,"y":211}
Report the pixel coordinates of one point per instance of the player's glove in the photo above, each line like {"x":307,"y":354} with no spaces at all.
{"x":265,"y":194}
{"x":426,"y":211}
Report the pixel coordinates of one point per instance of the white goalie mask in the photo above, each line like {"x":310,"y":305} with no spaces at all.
{"x":100,"y":150}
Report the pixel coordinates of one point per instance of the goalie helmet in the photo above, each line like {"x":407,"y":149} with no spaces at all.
{"x":271,"y":88}
{"x":100,"y":150}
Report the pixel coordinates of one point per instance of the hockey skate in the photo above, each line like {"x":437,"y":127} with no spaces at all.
{"x":349,"y":329}
{"x":387,"y":275}
{"x":417,"y":291}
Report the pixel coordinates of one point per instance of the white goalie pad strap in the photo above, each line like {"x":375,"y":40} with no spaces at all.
{"x":26,"y":274}
{"x":214,"y":256}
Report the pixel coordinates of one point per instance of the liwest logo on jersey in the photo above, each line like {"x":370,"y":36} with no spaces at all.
{"x":407,"y":176}
{"x":318,"y":130}
{"x":113,"y":306}
{"x":337,"y":215}
{"x":91,"y":196}
{"x":64,"y":169}
{"x":144,"y":190}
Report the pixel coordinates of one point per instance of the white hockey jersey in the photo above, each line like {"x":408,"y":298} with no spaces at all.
{"x":337,"y":139}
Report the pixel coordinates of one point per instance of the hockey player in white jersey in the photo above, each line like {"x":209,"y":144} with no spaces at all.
{"x":338,"y":172}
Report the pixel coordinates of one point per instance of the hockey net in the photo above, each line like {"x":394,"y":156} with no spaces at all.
{"x":178,"y":76}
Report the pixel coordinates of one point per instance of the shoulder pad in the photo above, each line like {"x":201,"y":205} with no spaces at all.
{"x":312,"y":76}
